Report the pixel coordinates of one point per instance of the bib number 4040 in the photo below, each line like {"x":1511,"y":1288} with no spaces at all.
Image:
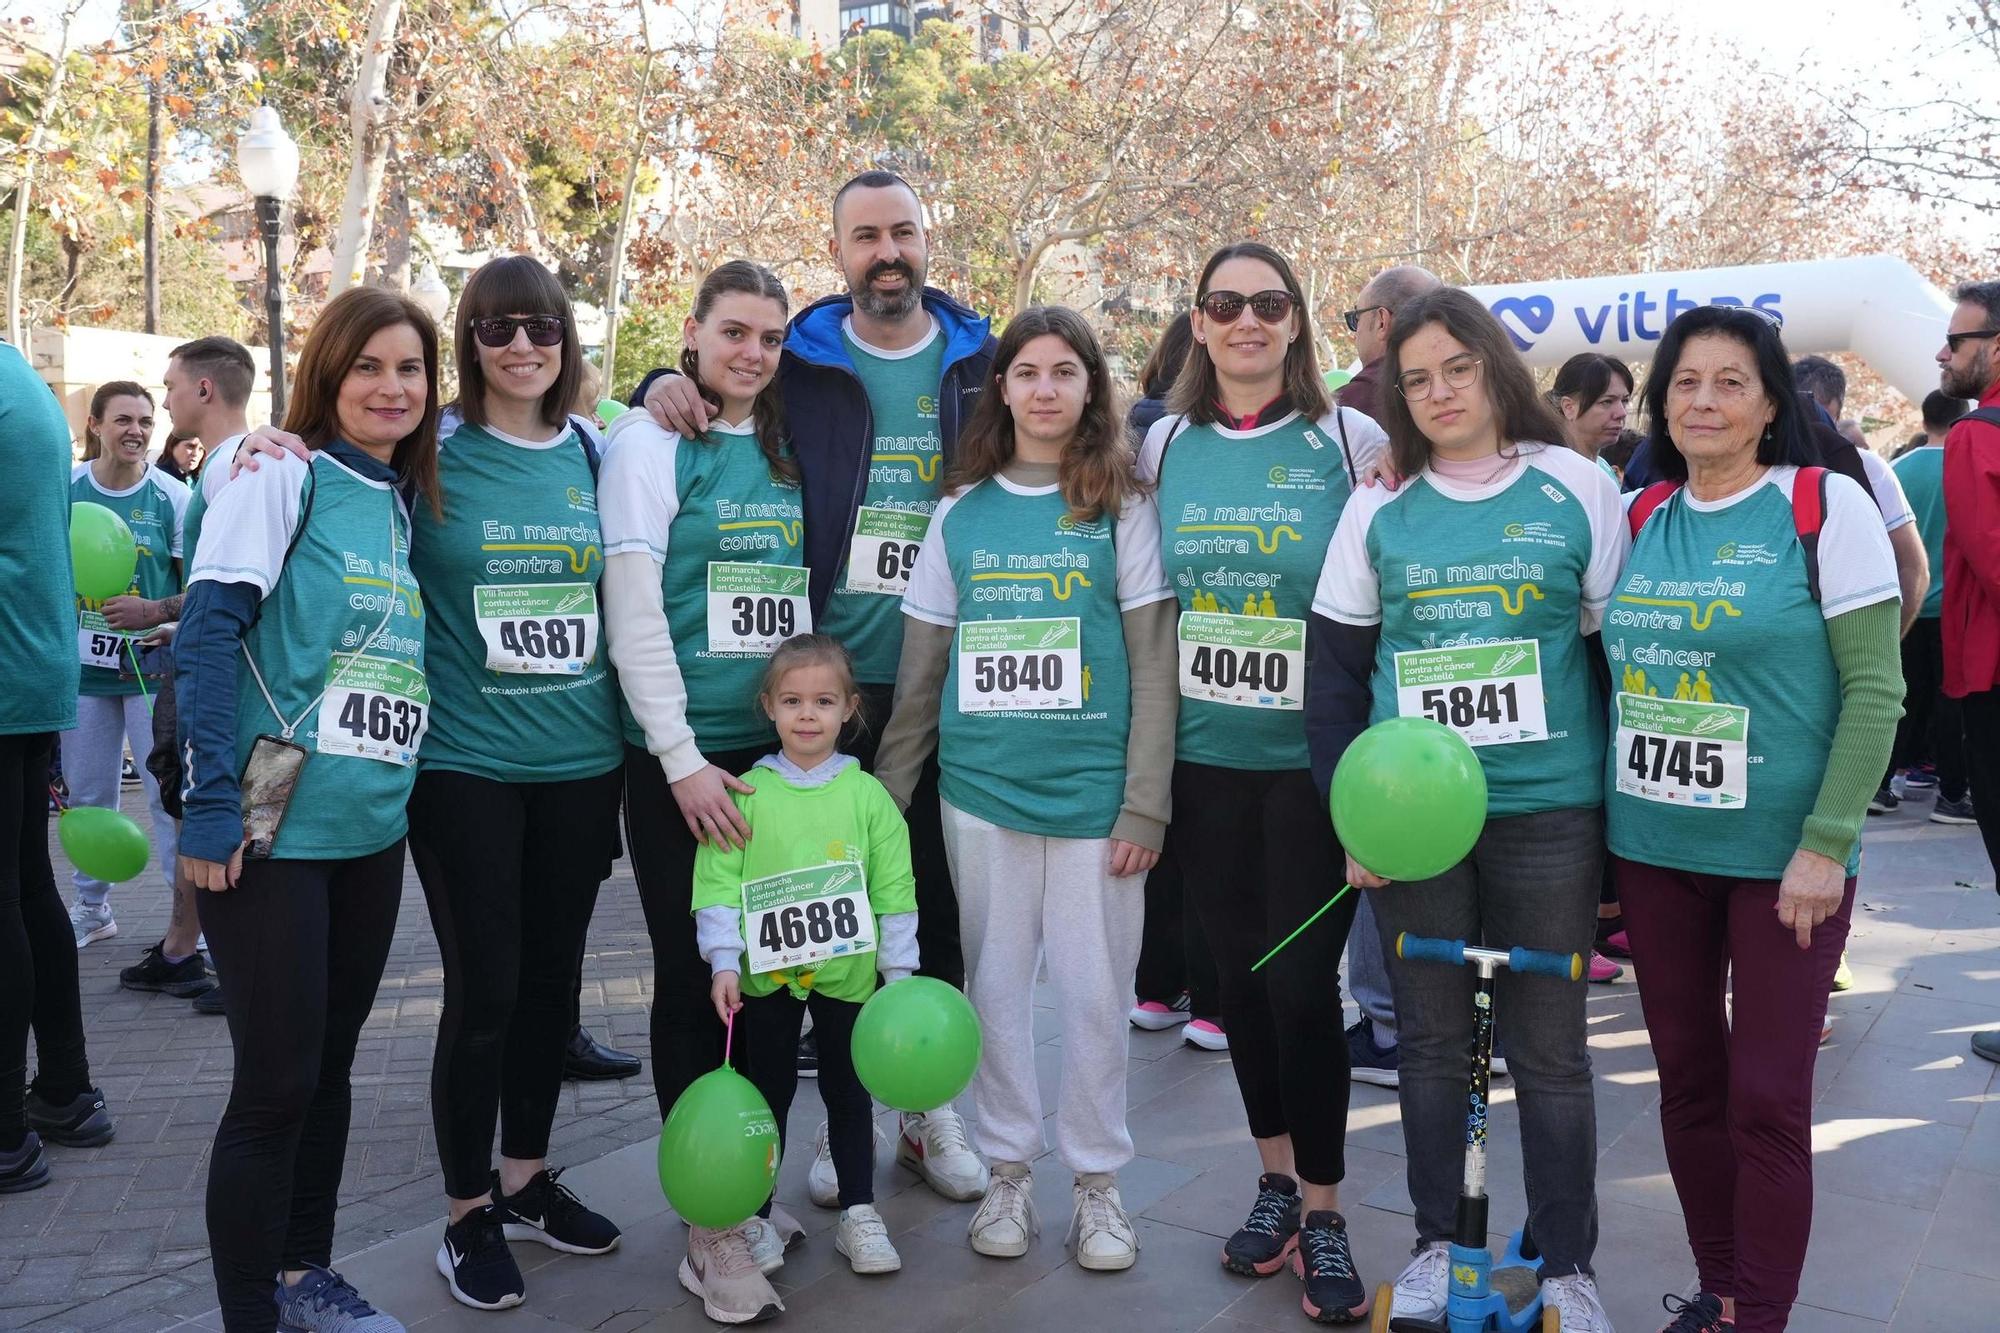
{"x":1227,"y":668}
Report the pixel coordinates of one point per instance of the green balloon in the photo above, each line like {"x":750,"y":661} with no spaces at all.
{"x":609,"y":409}
{"x":1337,"y":378}
{"x":916,"y":1044}
{"x":101,"y":551}
{"x":719,"y":1150}
{"x":1409,"y":798}
{"x":103,"y":844}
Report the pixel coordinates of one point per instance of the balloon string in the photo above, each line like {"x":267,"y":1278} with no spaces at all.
{"x":132,"y":651}
{"x":728,"y":1034}
{"x":1344,"y":891}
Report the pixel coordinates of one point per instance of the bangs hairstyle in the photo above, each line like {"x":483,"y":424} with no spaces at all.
{"x":1587,"y":377}
{"x":809,"y":650}
{"x":1196,"y":389}
{"x":515,"y":285}
{"x":1521,"y":412}
{"x":767,"y":412}
{"x":1095,"y":470}
{"x":1785,"y":442}
{"x":334,"y":345}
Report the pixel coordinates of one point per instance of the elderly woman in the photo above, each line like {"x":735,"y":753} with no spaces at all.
{"x":1752,"y":645}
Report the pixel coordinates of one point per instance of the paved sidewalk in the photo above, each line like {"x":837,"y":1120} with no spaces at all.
{"x":1907,"y":1161}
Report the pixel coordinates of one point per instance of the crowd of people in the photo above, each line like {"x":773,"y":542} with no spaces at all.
{"x":904,"y":649}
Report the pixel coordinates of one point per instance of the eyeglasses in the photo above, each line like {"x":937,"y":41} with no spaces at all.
{"x":1952,"y":340}
{"x":498,"y":330}
{"x":1459,"y":372}
{"x":1352,"y":318}
{"x":1771,"y":317}
{"x":1227,"y":307}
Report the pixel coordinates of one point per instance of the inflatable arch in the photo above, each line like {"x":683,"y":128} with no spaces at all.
{"x":1876,"y":306}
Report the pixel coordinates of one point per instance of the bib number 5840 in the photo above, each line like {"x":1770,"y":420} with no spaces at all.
{"x":1008,"y":673}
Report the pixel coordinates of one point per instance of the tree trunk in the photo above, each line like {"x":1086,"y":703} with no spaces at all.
{"x":625,"y":203}
{"x":368,"y":112}
{"x":151,"y":204}
{"x":24,"y":188}
{"x":396,"y":228}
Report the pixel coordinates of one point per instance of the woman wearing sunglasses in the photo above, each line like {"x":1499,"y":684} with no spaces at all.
{"x":1253,"y":464}
{"x":1465,"y":596}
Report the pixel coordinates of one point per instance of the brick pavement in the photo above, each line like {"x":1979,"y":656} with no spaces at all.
{"x":120,"y":1230}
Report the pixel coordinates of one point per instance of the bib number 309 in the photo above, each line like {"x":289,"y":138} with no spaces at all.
{"x":1681,"y":752}
{"x":374,"y":708}
{"x":754,"y":608}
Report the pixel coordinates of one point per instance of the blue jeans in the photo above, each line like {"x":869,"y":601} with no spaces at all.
{"x":1531,"y":880}
{"x":1367,"y":968}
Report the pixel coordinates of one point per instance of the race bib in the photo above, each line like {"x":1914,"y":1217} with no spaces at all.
{"x":537,"y":628}
{"x":1683,"y":752}
{"x":884,"y":550}
{"x":1242,"y":661}
{"x":97,"y":644}
{"x":754,"y":608}
{"x":1020,"y":665}
{"x":374,"y":708}
{"x":803,"y":918}
{"x":1489,"y":693}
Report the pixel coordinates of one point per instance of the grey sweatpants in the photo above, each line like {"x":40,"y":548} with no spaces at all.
{"x":1020,"y":895}
{"x":93,"y":757}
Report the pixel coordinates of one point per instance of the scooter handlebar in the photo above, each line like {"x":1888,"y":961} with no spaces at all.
{"x":1533,"y":962}
{"x":1417,"y":948}
{"x":1566,"y":966}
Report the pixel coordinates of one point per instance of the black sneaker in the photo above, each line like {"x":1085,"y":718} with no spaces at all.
{"x":1954,"y":812}
{"x":1883,"y":801}
{"x":81,"y":1122}
{"x":210,"y":1000}
{"x":186,"y":979}
{"x":548,"y":1214}
{"x":475,"y":1260}
{"x":1334,"y":1294}
{"x":1271,"y":1232}
{"x":1703,"y":1314}
{"x":24,"y":1168}
{"x":1379,"y":1065}
{"x":809,"y":1055}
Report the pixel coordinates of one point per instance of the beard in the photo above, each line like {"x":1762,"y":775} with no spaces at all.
{"x":888,"y":305}
{"x":1970,"y":383}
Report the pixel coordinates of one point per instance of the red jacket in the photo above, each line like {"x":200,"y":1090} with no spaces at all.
{"x":1971,"y":615}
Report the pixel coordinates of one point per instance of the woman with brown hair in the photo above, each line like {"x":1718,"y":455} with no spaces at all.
{"x":300,"y":666}
{"x":1039,"y":622}
{"x":1254,"y":464}
{"x":1466,"y":595}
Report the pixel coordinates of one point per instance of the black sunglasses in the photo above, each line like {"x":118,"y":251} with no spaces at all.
{"x":1352,"y":318}
{"x":1269,"y":307}
{"x":1952,"y":340}
{"x":498,"y":330}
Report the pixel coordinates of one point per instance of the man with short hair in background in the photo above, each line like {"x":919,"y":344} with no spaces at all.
{"x":1374,"y":311}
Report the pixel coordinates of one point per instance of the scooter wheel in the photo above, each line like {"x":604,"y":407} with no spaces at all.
{"x":1552,"y":1319}
{"x":1385,"y":1299}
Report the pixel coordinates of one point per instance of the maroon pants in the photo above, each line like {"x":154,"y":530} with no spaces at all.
{"x":1735,"y":1092}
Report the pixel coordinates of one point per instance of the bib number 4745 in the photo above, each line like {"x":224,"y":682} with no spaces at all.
{"x":1688,"y":763}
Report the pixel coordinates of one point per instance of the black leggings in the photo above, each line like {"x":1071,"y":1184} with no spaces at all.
{"x":686,"y":1034}
{"x":1259,"y":856}
{"x":299,"y":947}
{"x":510,"y":870}
{"x":1933,"y":725}
{"x":37,"y":951}
{"x":1173,"y":952}
{"x":939,"y":952}
{"x":767,"y":1050}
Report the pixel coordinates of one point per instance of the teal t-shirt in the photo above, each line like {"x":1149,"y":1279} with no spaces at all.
{"x":153,"y":509}
{"x":521,"y":684}
{"x":1727,"y":690}
{"x":904,"y":469}
{"x":1484,"y":595}
{"x":690,"y":504}
{"x":38,"y":636}
{"x":1037,"y":700}
{"x":1921,"y":471}
{"x":1245,"y":519}
{"x":328,"y":599}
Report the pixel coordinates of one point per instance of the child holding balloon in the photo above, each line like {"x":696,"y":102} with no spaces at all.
{"x":800,"y":917}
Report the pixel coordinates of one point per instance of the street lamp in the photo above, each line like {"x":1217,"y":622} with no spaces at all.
{"x":430,"y":292}
{"x":268,"y":161}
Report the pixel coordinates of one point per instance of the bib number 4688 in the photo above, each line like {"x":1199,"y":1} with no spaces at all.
{"x":816,"y":922}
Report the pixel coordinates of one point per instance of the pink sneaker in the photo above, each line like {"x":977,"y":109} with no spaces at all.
{"x":1617,"y":946}
{"x":1209,"y":1036}
{"x":1602,"y":970}
{"x":1158,"y":1016}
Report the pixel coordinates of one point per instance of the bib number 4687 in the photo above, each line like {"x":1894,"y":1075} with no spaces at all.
{"x":542,"y":638}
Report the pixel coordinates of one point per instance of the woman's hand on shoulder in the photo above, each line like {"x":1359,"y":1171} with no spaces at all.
{"x":267,"y":440}
{"x":711,"y":816}
{"x":675,"y":402}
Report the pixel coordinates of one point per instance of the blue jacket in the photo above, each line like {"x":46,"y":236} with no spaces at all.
{"x":833,"y":432}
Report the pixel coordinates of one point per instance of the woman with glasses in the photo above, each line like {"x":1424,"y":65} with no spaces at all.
{"x":1466,"y":596}
{"x":1752,"y":642}
{"x":1253,"y":464}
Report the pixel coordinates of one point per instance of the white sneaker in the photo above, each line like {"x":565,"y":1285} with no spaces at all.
{"x":1005,"y":1224}
{"x":90,"y":923}
{"x":770,"y":1237}
{"x":1423,"y":1288}
{"x":720,"y":1270}
{"x":1100,"y":1227}
{"x":933,"y":1145}
{"x":863,"y":1238}
{"x":1497,"y":1068}
{"x":823,"y":1182}
{"x":1575,"y":1296}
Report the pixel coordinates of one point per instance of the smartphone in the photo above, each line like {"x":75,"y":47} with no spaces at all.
{"x":155,"y":662}
{"x":269,"y":779}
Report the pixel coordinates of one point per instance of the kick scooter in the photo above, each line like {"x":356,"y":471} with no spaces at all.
{"x":1485,"y":1297}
